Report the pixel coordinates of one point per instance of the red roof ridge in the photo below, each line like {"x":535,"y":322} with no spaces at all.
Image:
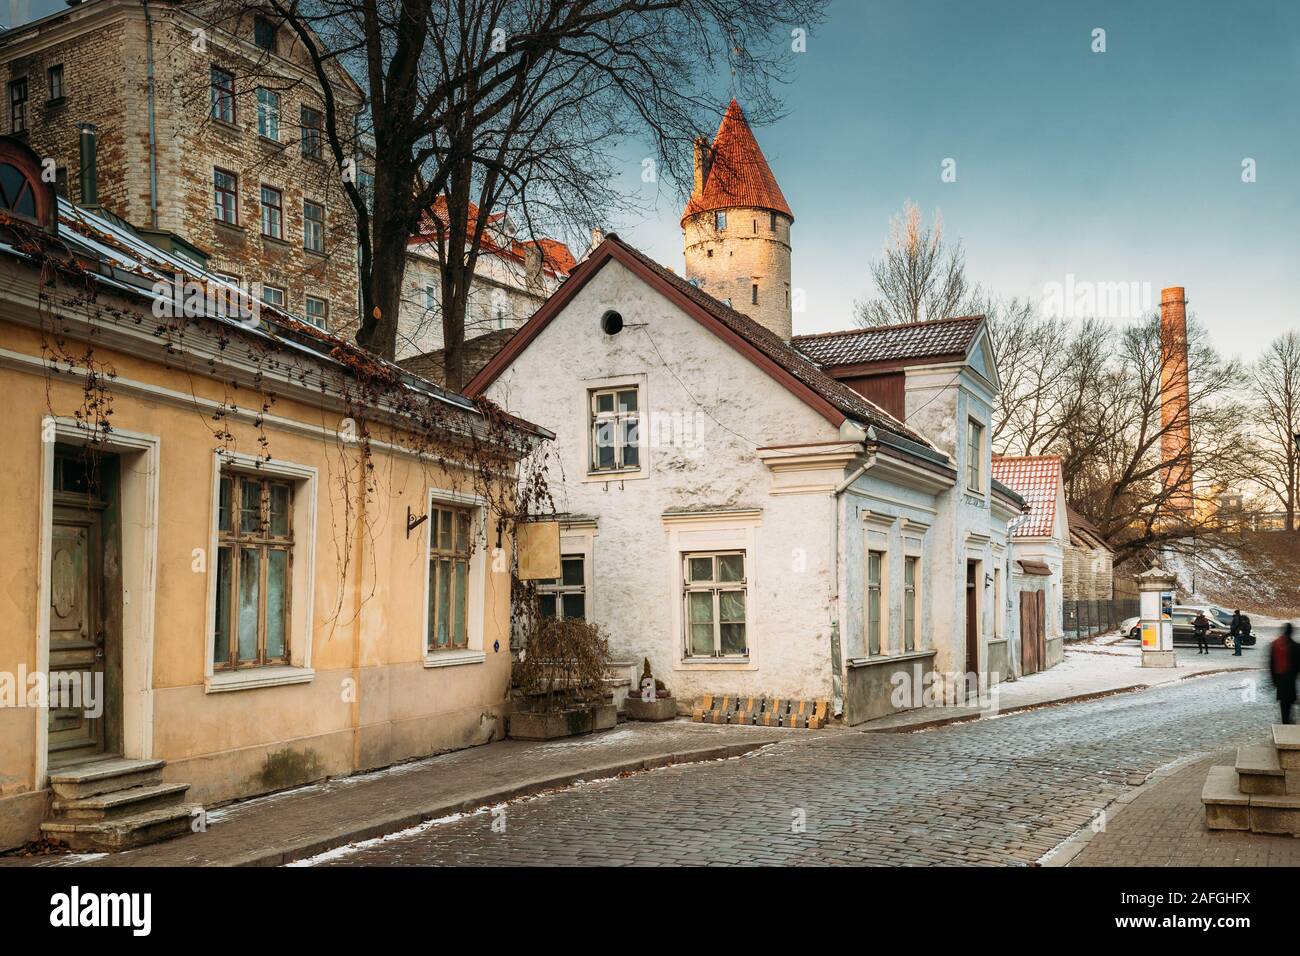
{"x":865,"y":329}
{"x":738,"y":172}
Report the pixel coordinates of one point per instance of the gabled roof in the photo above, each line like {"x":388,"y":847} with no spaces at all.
{"x":738,"y":174}
{"x":1037,"y":479}
{"x":1083,"y":533}
{"x":834,"y":400}
{"x":934,"y":339}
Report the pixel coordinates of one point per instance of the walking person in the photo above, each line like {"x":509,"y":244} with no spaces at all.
{"x":1237,"y":631}
{"x":1283,"y":665}
{"x":1202,"y":628}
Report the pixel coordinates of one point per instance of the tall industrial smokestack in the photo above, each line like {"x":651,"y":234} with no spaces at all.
{"x":1175,"y":410}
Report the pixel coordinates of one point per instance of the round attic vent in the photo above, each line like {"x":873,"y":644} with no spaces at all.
{"x":611,"y":323}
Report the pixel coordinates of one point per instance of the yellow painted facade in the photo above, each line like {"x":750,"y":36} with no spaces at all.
{"x":371,"y":695}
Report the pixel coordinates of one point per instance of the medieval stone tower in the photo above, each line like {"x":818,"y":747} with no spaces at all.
{"x":737,"y":226}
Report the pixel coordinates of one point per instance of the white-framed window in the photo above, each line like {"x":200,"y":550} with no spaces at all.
{"x":875,"y":601}
{"x":615,"y":429}
{"x":450,"y":547}
{"x":457,"y":583}
{"x":974,"y":455}
{"x":261,"y":568}
{"x":225,"y":196}
{"x":272,"y":212}
{"x":273,"y":295}
{"x":255,"y":543}
{"x":318,"y":311}
{"x":222,"y":94}
{"x":313,"y":226}
{"x":714,"y":590}
{"x":911,"y":601}
{"x":565,"y":597}
{"x":268,"y":113}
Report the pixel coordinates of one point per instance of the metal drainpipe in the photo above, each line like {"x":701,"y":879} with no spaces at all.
{"x":153,"y":141}
{"x":837,"y":654}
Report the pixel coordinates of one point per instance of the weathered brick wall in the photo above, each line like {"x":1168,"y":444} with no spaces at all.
{"x":105,"y":60}
{"x":1088,"y":574}
{"x":728,"y":263}
{"x":95,"y":78}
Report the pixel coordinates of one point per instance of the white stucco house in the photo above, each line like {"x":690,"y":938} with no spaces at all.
{"x":1040,"y":539}
{"x":750,"y":524}
{"x":811,"y":518}
{"x":513,"y":276}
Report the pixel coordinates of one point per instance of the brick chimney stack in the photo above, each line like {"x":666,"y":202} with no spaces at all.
{"x":702,"y":163}
{"x":1175,"y":413}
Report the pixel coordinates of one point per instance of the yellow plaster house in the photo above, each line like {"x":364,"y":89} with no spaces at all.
{"x":238,"y":554}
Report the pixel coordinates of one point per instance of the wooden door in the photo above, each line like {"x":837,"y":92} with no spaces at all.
{"x":1030,"y":660}
{"x":76,"y":634}
{"x":1040,"y":609}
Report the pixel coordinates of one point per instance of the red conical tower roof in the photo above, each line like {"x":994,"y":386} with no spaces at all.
{"x":738,"y":174}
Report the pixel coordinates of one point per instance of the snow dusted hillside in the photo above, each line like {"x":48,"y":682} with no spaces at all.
{"x":1259,"y":572}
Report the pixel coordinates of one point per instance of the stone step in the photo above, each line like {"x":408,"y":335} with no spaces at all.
{"x":1226,"y":807}
{"x":121,"y":833}
{"x":104,"y":776}
{"x":1258,"y":770}
{"x":1275,"y":814}
{"x":1286,"y":738}
{"x":119,"y":803}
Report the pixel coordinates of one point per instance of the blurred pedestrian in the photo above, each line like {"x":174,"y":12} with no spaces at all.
{"x":1202,"y":628}
{"x":1283,"y":665}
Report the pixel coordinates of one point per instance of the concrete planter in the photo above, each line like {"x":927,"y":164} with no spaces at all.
{"x":663,"y":708}
{"x":527,"y":725}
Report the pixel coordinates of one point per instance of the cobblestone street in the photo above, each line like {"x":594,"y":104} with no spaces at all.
{"x":1000,"y":791}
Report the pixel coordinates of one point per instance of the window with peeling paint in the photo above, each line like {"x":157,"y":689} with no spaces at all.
{"x":254,"y":571}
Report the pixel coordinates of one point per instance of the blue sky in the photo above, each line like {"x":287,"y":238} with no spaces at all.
{"x":1122,"y":166}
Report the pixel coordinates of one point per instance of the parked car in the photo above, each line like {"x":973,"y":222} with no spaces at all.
{"x":1184,"y":615}
{"x":1223,"y":616}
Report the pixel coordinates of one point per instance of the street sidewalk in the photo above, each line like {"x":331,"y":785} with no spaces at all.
{"x":294,"y":824}
{"x":1090,"y":669}
{"x":1163,"y":824}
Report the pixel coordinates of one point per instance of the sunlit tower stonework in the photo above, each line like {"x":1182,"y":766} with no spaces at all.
{"x":737,"y":226}
{"x":1175,"y":407}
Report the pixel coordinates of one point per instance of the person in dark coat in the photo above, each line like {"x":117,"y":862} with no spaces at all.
{"x":1284,"y":665}
{"x":1202,"y":628}
{"x":1238,"y":632}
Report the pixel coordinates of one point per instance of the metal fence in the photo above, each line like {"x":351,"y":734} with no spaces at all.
{"x":1084,"y":619}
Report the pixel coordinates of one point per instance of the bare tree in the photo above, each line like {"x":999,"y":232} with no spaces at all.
{"x":1115,"y":465}
{"x":476,"y":107}
{"x":919,"y":275}
{"x":1274,"y":456}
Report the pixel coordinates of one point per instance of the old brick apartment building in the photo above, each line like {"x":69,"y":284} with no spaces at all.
{"x":211,"y":134}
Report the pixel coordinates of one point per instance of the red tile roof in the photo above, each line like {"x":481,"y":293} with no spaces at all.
{"x":936,"y":338}
{"x":556,"y":257}
{"x":1037,"y":479}
{"x":738,"y":172}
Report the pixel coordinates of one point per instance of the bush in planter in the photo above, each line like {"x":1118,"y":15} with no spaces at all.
{"x":653,"y":702}
{"x":661,"y":692}
{"x":562,"y":665}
